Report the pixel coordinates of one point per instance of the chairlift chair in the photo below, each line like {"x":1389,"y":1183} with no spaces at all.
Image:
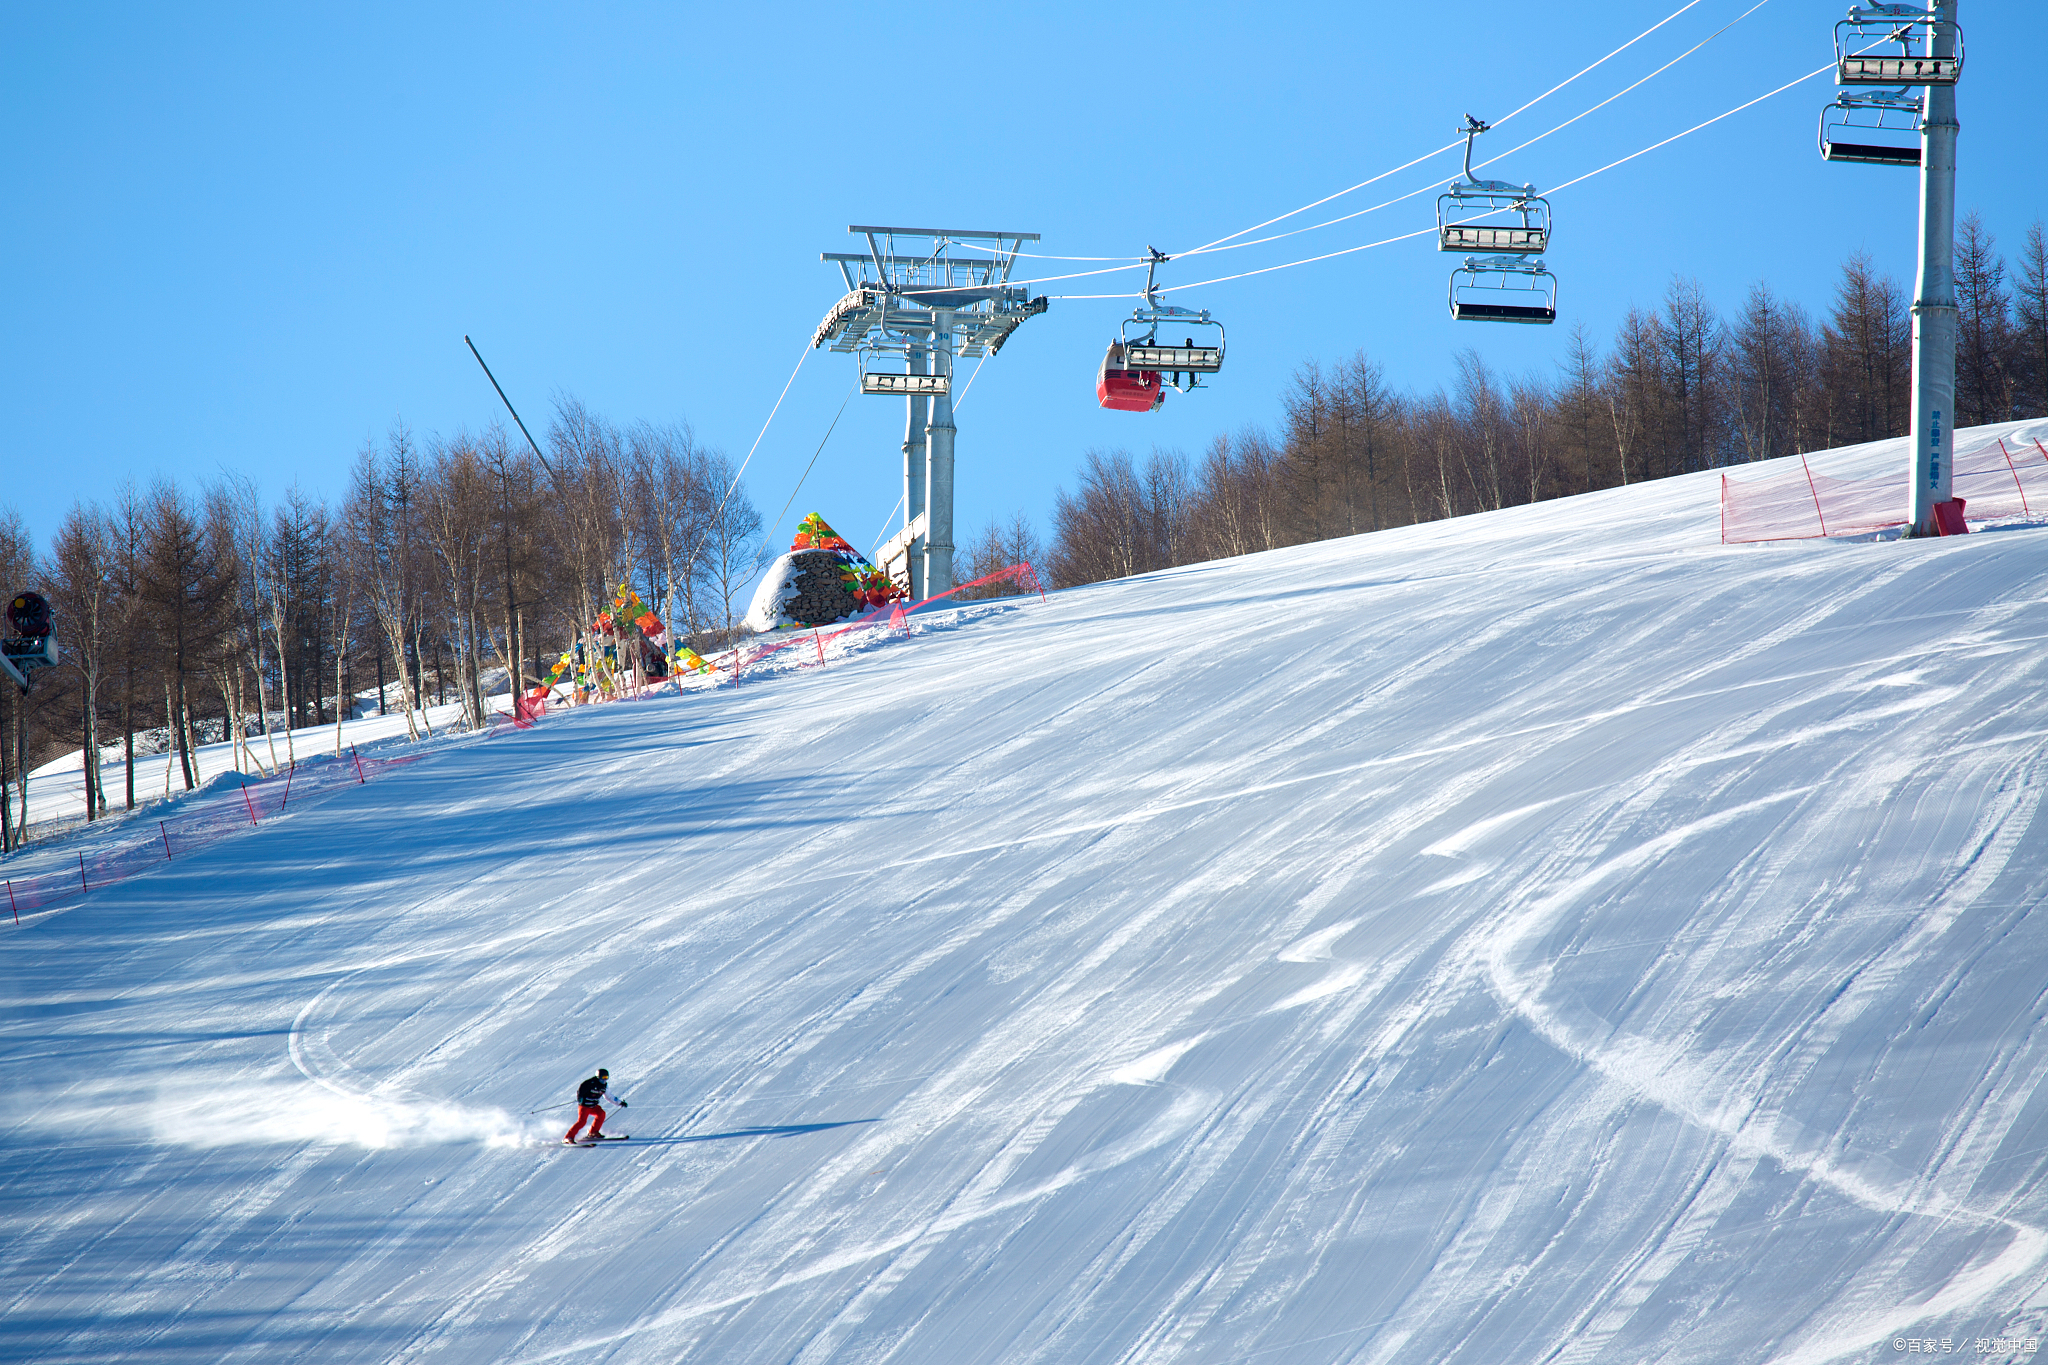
{"x":1870,"y":128}
{"x":1509,"y":284}
{"x":1135,"y":369}
{"x":1503,"y":289}
{"x":1463,"y":211}
{"x":1859,"y":39}
{"x":898,"y":383}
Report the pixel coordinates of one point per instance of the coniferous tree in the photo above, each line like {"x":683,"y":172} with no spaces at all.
{"x":1866,"y":360}
{"x":1985,"y":382}
{"x":2030,"y":326}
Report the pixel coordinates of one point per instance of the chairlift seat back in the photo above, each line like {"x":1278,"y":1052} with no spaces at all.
{"x":1193,"y":359}
{"x":1480,"y":237}
{"x":898,"y":384}
{"x":1882,"y":70}
{"x":1503,"y":289}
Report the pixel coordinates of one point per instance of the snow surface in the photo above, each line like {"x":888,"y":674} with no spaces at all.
{"x":1542,"y":936}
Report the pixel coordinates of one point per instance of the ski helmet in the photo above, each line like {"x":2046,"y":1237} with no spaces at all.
{"x":603,"y":1074}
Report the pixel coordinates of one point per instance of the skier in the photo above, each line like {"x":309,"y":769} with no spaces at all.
{"x":590,"y":1098}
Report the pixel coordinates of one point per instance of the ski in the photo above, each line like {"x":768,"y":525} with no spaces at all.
{"x":601,"y":1137}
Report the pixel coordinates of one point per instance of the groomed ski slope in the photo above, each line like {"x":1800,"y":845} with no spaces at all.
{"x":1546,"y":936}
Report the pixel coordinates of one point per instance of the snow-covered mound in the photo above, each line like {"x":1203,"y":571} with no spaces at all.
{"x":1544,"y":936}
{"x":819,"y":580}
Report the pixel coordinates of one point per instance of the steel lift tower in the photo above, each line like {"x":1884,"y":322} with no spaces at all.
{"x":1875,"y":46}
{"x":934,"y":296}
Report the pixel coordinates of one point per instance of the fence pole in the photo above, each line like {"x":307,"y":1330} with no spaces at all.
{"x":289,"y":775}
{"x":820,"y":644}
{"x":81,"y":875}
{"x":247,"y":802}
{"x":360,"y":779}
{"x":2043,"y":449}
{"x":2015,"y":477}
{"x":1816,"y":495}
{"x":1724,"y":509}
{"x":11,"y":903}
{"x":167,"y":839}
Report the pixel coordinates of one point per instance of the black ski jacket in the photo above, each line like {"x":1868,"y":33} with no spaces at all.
{"x":591,"y":1091}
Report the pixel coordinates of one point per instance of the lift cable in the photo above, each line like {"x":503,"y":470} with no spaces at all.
{"x":887,"y":522}
{"x":1451,"y":146}
{"x":1220,"y":243}
{"x":1619,"y":93}
{"x":970,"y":381}
{"x":1697,"y":126}
{"x":816,"y":453}
{"x":692,"y":562}
{"x":1430,"y":231}
{"x":1360,"y":213}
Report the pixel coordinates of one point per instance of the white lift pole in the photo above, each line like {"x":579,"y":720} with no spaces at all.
{"x":914,"y":476}
{"x":1934,"y":290}
{"x":938,"y":536}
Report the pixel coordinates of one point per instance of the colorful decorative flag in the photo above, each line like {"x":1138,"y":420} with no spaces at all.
{"x":813,"y":534}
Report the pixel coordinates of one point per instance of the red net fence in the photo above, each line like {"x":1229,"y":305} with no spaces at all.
{"x":1996,"y":477}
{"x":889,"y":616}
{"x":731,"y":664}
{"x":237,"y":805}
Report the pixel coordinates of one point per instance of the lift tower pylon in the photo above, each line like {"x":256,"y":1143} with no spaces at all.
{"x":1934,"y":291}
{"x":943,"y":296}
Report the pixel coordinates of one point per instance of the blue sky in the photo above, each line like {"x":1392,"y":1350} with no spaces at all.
{"x":252,"y":239}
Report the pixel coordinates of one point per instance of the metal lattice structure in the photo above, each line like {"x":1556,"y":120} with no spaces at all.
{"x":895,"y":299}
{"x":932,"y":296}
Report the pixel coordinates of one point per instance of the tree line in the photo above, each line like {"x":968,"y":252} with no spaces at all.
{"x":194,"y":615}
{"x":1681,"y":387}
{"x":188,"y":615}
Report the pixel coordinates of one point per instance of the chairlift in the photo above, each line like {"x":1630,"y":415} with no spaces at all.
{"x":1872,"y":129}
{"x":1503,"y":289}
{"x":1510,"y":284}
{"x":1463,"y":209}
{"x":1141,"y":364}
{"x":1859,"y":39}
{"x":898,"y":383}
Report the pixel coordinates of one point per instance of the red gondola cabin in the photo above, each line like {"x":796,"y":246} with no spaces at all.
{"x":1122,"y":390}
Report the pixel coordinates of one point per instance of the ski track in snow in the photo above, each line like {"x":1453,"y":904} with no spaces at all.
{"x":1548,"y":936}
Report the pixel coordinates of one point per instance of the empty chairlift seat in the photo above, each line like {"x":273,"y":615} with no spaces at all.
{"x":1503,"y":289}
{"x":1872,"y":130}
{"x":1492,"y":217}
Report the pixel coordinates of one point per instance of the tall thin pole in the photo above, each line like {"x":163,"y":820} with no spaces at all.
{"x":914,"y":475}
{"x":1934,"y":292}
{"x":939,"y":434}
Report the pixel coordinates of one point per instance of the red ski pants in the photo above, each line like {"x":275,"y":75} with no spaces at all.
{"x":586,"y":1113}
